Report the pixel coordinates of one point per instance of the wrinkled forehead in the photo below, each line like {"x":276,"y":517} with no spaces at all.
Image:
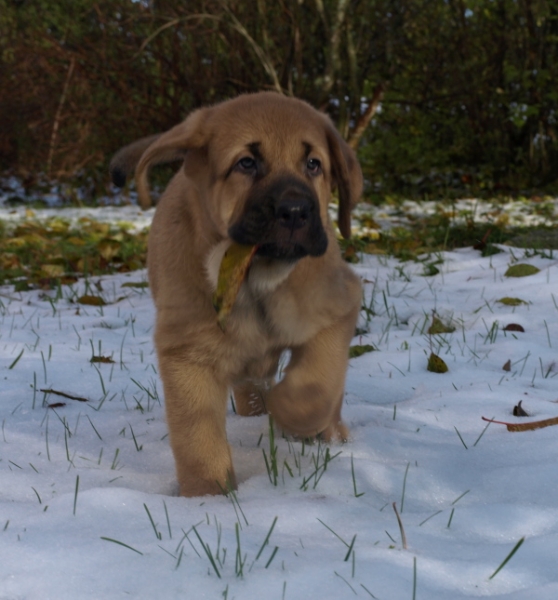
{"x":281,"y":129}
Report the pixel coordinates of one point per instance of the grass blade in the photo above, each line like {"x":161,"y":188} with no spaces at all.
{"x":266,"y":540}
{"x":462,"y":440}
{"x":76,"y":493}
{"x":508,"y":557}
{"x":16,"y":360}
{"x":207,"y":552}
{"x":107,"y":539}
{"x":404,"y":485}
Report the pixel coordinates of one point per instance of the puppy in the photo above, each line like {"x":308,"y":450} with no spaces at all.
{"x":256,"y":170}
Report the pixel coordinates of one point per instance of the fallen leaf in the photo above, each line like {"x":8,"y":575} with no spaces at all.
{"x":511,"y":301}
{"x":108,"y":249}
{"x":232,"y":272}
{"x":52,"y":270}
{"x":438,"y":327}
{"x":91,"y":300}
{"x":521,"y":270}
{"x":101,"y":359}
{"x":514,"y":327}
{"x":359,"y":350}
{"x":518,"y":410}
{"x":525,"y":426}
{"x":436,"y":364}
{"x":135,"y":284}
{"x":507,"y":366}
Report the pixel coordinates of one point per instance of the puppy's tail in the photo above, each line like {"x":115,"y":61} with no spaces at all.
{"x":125,"y":160}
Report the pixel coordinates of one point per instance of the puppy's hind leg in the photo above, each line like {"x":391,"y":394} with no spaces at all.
{"x":196,"y":404}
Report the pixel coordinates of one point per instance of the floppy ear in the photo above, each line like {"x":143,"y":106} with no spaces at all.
{"x":126,"y":159}
{"x":170,"y":146}
{"x":347,"y":175}
{"x":157,"y":149}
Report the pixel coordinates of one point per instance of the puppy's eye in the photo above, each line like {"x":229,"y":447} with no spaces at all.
{"x":246,"y":164}
{"x":314,"y":166}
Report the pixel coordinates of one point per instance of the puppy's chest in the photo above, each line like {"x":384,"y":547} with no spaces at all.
{"x":261,"y":321}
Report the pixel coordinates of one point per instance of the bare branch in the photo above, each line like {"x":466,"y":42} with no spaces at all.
{"x":258,"y":50}
{"x":58,"y":115}
{"x":367,"y":116}
{"x":334,"y":42}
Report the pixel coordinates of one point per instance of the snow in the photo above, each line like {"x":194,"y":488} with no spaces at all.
{"x":80,"y":480}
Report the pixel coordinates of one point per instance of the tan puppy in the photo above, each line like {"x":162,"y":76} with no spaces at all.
{"x":257,"y":170}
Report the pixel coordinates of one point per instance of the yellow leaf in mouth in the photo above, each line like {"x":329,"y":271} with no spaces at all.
{"x":232,"y":272}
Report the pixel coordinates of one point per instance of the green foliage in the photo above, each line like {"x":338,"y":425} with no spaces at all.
{"x":466,"y":89}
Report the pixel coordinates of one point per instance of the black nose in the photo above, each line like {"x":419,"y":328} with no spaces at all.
{"x":293,"y":213}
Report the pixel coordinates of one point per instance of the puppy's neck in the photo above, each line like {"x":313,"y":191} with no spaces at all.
{"x":267,"y":274}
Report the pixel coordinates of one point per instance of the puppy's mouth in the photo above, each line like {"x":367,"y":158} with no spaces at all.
{"x":283,"y":220}
{"x":282,"y":252}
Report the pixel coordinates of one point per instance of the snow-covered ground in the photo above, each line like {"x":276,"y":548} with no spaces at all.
{"x":88,"y":505}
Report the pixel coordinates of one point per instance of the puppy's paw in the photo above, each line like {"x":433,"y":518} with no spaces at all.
{"x":336,"y":432}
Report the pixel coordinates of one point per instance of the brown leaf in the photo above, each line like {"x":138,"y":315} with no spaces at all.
{"x":514,"y":327}
{"x":136,"y":284}
{"x":507,"y":366}
{"x":525,"y":426}
{"x":101,"y":359}
{"x":518,"y":410}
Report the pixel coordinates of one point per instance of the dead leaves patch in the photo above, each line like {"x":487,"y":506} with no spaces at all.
{"x":44,"y":254}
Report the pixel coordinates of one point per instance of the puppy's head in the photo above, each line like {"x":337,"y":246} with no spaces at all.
{"x":265,"y":166}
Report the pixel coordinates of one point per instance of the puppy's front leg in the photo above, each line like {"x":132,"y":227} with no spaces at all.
{"x":307,"y":402}
{"x":196,"y":404}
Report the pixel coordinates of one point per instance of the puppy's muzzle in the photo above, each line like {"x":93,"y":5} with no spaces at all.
{"x":283,"y":220}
